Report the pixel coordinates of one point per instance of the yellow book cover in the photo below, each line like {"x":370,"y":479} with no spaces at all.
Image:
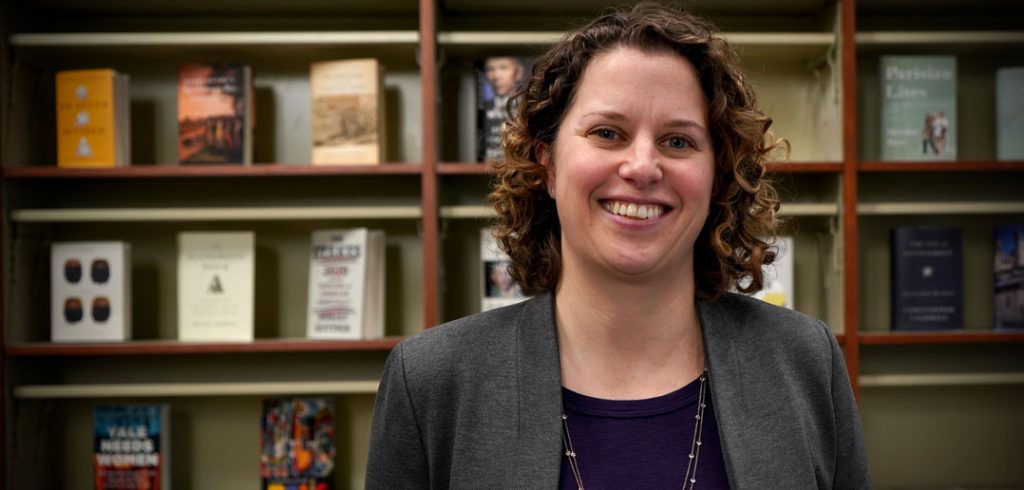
{"x":85,"y":118}
{"x":347,"y":112}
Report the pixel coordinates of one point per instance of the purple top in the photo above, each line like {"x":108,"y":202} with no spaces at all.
{"x":641,"y":443}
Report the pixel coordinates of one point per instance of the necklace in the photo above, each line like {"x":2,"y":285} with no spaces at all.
{"x":690,"y":480}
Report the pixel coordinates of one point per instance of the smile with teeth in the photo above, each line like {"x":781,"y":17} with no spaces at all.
{"x":633,"y":210}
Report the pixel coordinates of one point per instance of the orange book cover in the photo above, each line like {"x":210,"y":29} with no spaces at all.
{"x":86,"y":132}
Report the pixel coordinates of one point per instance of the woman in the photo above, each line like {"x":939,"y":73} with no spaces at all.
{"x":632,"y":199}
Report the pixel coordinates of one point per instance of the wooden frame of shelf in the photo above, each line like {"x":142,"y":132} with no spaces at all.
{"x":940,"y":337}
{"x":209,"y":171}
{"x":173,"y":347}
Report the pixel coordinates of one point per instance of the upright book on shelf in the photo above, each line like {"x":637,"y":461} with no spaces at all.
{"x":918,"y":108}
{"x":927,"y":278}
{"x":1010,"y":113}
{"x":90,"y":286}
{"x":497,"y":80}
{"x":216,"y":272}
{"x":346,"y":284}
{"x":297,"y":447}
{"x":215,"y":113}
{"x":497,"y":288}
{"x":1009,"y":277}
{"x":131,"y":447}
{"x":347,"y":112}
{"x":778,"y":277}
{"x":93,"y":127}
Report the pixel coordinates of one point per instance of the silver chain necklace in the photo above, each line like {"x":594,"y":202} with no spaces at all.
{"x":690,"y":481}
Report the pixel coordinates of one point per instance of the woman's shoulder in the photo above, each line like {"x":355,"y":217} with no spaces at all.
{"x":752,"y":321}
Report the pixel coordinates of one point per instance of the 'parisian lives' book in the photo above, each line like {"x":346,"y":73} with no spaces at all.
{"x":297,"y":447}
{"x":919,"y":104}
{"x":215,"y":113}
{"x":90,"y":292}
{"x":93,"y":118}
{"x":1009,"y":277}
{"x":131,"y":447}
{"x":927,"y":278}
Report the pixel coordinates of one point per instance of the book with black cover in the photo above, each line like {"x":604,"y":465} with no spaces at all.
{"x":927,"y":278}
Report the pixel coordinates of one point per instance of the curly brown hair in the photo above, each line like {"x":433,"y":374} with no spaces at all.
{"x":732,"y":244}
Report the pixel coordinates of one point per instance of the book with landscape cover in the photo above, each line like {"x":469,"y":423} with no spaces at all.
{"x":215,"y":113}
{"x":498,"y":78}
{"x":927,"y":278}
{"x":919,"y":108}
{"x":297,"y":446}
{"x":90,"y":292}
{"x":497,"y":288}
{"x":346,"y":284}
{"x":1009,"y":277}
{"x":93,"y":128}
{"x":347,"y":112}
{"x":1010,"y":113}
{"x":131,"y":447}
{"x":216,"y":272}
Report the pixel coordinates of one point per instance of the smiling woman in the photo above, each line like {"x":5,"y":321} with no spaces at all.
{"x":631,"y":200}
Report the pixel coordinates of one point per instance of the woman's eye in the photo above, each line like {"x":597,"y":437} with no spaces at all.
{"x":677,"y":143}
{"x":605,"y":133}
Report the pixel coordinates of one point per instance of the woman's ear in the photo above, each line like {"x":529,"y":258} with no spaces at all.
{"x":543,"y":152}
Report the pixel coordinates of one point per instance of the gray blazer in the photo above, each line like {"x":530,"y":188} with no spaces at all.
{"x":476,"y":403}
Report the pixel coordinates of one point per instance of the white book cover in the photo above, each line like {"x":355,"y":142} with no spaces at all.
{"x":346,"y":285}
{"x":778,"y":276}
{"x":497,"y":288}
{"x":1010,"y":113}
{"x":216,"y":287}
{"x":90,"y":292}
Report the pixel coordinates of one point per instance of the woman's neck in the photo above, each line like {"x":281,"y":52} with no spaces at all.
{"x":628,"y":340}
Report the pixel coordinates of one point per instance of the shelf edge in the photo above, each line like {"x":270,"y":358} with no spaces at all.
{"x":196,"y":389}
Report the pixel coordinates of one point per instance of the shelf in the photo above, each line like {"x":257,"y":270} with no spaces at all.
{"x":889,"y":38}
{"x":189,"y":171}
{"x":469,"y":211}
{"x":460,"y":168}
{"x":929,"y":166}
{"x":172,"y":347}
{"x":215,"y":214}
{"x":950,"y":379}
{"x":939,"y":208}
{"x":140,"y":39}
{"x":476,"y":38}
{"x":286,"y":388}
{"x":939,"y":337}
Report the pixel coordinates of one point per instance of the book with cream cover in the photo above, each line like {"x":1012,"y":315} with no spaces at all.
{"x":216,"y":273}
{"x":90,"y":284}
{"x":346,"y":284}
{"x":347,"y":112}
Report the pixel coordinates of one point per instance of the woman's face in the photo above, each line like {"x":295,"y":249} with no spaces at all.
{"x":632,"y":166}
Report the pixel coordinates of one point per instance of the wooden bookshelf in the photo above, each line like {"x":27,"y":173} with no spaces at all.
{"x":172,"y":347}
{"x":209,"y":171}
{"x":938,"y":337}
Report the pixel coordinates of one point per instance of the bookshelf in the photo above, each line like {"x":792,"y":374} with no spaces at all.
{"x":815,"y":66}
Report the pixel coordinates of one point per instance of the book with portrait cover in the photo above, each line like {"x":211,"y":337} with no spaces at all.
{"x":215,"y":113}
{"x":498,"y":78}
{"x":497,"y":288}
{"x":1010,"y":113}
{"x":297,"y":447}
{"x":131,"y":447}
{"x":919,"y":116}
{"x":1009,"y":277}
{"x":347,"y":112}
{"x":927,"y":278}
{"x":93,"y":113}
{"x":346,"y":284}
{"x":216,"y":272}
{"x":90,"y":292}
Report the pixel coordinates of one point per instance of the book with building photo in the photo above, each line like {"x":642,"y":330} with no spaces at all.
{"x":90,"y":292}
{"x":215,"y":113}
{"x":497,"y":80}
{"x":1009,"y":277}
{"x":93,"y":119}
{"x":346,"y":284}
{"x":1010,"y":113}
{"x":347,"y":112}
{"x":927,"y":278}
{"x":132,"y":447}
{"x":216,"y":286}
{"x":497,"y":288}
{"x":919,"y":108}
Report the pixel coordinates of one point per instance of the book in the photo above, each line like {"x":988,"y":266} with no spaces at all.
{"x":297,"y":447}
{"x":498,"y":78}
{"x":215,"y":113}
{"x":1010,"y":113}
{"x":346,"y":284}
{"x":93,"y":113}
{"x":778,"y":276}
{"x":347,"y":112}
{"x":216,"y":272}
{"x":1009,"y":277}
{"x":918,"y":108}
{"x":927,"y":278}
{"x":497,"y":288}
{"x":90,"y":292}
{"x":132,"y":447}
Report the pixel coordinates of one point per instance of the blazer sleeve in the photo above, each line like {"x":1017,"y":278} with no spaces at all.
{"x":397,"y":459}
{"x":851,"y":466}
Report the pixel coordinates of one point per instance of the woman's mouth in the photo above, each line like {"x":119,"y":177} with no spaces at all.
{"x":633,"y":210}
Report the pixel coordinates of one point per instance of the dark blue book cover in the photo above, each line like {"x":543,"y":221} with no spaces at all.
{"x":1009,"y":277}
{"x":927,"y":278}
